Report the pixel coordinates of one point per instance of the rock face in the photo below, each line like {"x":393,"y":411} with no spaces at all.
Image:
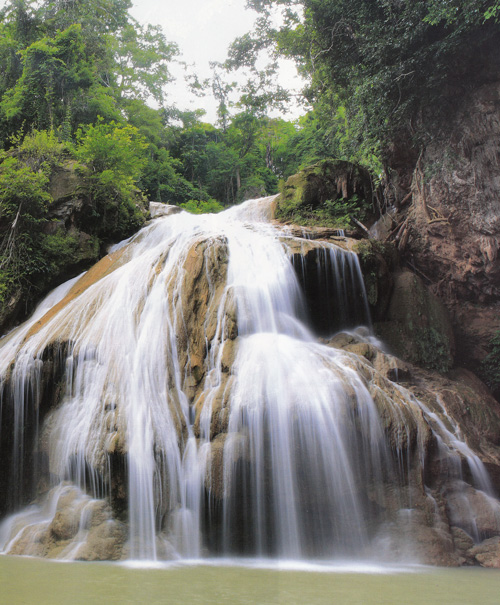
{"x":159,"y":209}
{"x":176,"y":404}
{"x":487,"y":553}
{"x":76,"y":244}
{"x":81,"y":528}
{"x":417,"y":327}
{"x":446,"y":524}
{"x":456,"y":205}
{"x":451,"y":207}
{"x":309,"y":197}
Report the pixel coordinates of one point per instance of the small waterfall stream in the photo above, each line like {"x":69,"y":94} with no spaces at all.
{"x":175,"y":402}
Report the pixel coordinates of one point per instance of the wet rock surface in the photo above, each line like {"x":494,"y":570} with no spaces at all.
{"x":417,"y":326}
{"x":487,"y":554}
{"x":449,"y":222}
{"x":422,"y":438}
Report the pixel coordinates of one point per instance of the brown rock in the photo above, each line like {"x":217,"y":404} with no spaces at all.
{"x":473,"y":511}
{"x":104,"y":542}
{"x":462,"y":541}
{"x":487,"y":553}
{"x":418,"y":327}
{"x":65,"y":182}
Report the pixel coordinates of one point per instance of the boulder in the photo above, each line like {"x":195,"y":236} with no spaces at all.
{"x":310,"y":197}
{"x":157,"y":209}
{"x":418,"y":328}
{"x":65,"y":183}
{"x":473,"y":510}
{"x":487,"y":553}
{"x":104,"y":542}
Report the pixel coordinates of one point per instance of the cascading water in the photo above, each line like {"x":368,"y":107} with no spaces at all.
{"x":175,"y":397}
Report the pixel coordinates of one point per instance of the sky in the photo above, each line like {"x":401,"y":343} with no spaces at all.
{"x":203,"y":30}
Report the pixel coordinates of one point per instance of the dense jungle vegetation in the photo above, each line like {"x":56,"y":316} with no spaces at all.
{"x":77,"y":78}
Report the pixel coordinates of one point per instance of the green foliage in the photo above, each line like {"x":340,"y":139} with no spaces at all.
{"x":31,"y":254}
{"x":23,"y":208}
{"x":378,"y":69}
{"x":63,"y":251}
{"x":64,"y":63}
{"x":233,"y":164}
{"x":493,"y":12}
{"x":113,"y":157}
{"x":23,"y":194}
{"x":460,"y":11}
{"x":490,"y":366}
{"x":42,"y":149}
{"x":54,"y":71}
{"x":312,"y":196}
{"x":74,"y":76}
{"x":202,"y":206}
{"x":337,"y":214}
{"x":112,"y":148}
{"x":61,"y":246}
{"x":432,"y":349}
{"x":142,"y":62}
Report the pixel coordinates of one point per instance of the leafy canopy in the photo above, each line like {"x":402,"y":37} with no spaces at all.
{"x":389,"y":65}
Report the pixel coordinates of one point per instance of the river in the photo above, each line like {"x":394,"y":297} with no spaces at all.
{"x":29,"y":581}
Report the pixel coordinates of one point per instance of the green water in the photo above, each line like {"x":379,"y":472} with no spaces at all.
{"x":34,"y":581}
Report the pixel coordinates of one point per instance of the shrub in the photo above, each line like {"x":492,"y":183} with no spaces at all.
{"x":23,"y":208}
{"x":40,"y":147}
{"x":490,"y":366}
{"x":202,"y":207}
{"x":114,"y":157}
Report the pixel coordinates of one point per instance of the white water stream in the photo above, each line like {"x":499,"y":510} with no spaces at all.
{"x":301,"y":437}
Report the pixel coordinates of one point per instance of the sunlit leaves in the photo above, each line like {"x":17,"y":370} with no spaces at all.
{"x":64,"y":62}
{"x":142,"y":62}
{"x":386,"y":62}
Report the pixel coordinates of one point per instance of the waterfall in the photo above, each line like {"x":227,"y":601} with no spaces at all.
{"x":176,"y":403}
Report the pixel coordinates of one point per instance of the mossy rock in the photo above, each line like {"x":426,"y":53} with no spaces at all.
{"x":377,"y":261}
{"x":72,"y":238}
{"x":417,"y":327}
{"x":65,"y":182}
{"x":325,"y":193}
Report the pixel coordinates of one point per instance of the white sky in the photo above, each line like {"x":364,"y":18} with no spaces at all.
{"x":203,"y":30}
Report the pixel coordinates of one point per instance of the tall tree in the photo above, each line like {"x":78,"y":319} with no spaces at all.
{"x":384,"y":61}
{"x":66,"y":62}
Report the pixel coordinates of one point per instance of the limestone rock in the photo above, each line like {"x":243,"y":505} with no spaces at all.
{"x":463,"y":543}
{"x":215,"y":470}
{"x":377,"y":261}
{"x":487,"y":553}
{"x":418,"y":328}
{"x":469,"y":403}
{"x":203,"y":292}
{"x":306,"y":192}
{"x":411,"y":537}
{"x":65,"y":182}
{"x":453,"y":211}
{"x":157,"y":209}
{"x":473,"y":510}
{"x":432,"y":546}
{"x":104,"y":542}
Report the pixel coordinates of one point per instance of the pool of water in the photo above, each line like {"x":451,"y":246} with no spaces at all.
{"x":35,"y":581}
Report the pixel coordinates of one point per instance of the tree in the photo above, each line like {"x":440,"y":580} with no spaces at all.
{"x":114,"y":156}
{"x":389,"y":64}
{"x":54,"y":71}
{"x":66,"y":62}
{"x":142,"y":58}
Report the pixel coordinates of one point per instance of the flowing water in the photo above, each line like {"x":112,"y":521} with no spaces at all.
{"x":181,"y":397}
